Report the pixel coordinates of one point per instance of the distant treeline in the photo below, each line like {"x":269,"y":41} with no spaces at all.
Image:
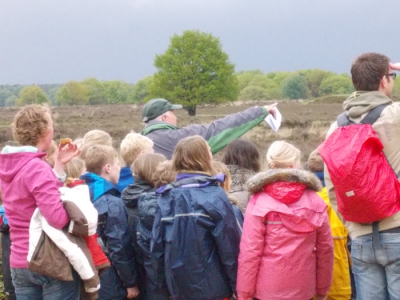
{"x":253,"y":85}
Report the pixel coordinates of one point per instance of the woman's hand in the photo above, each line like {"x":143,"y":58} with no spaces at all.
{"x":65,"y":154}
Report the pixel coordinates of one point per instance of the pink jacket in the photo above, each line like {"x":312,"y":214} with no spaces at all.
{"x":286,"y":250}
{"x":27,"y":182}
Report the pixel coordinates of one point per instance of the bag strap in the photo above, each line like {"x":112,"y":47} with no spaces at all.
{"x":373,"y":115}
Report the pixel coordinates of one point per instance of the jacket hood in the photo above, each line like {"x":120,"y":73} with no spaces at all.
{"x":12,"y":159}
{"x":190,"y":180}
{"x":257,"y":183}
{"x":131,"y":194}
{"x":361,"y":102}
{"x":99,"y":186}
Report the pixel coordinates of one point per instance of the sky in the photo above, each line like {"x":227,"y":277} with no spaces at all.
{"x":54,"y":41}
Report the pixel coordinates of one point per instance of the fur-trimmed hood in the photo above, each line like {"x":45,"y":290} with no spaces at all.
{"x":256,"y":183}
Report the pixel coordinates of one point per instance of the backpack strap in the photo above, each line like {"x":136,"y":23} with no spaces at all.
{"x":373,"y":115}
{"x":344,"y":120}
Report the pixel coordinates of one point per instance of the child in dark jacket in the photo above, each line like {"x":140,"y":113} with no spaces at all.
{"x":143,"y":168}
{"x":120,"y":280}
{"x":195,"y":238}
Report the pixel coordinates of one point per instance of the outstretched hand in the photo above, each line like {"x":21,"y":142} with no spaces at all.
{"x":395,"y":66}
{"x":271,"y":109}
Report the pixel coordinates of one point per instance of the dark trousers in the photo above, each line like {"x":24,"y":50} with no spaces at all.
{"x":6,"y":250}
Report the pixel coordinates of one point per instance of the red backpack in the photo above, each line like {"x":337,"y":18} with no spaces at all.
{"x":366,"y":187}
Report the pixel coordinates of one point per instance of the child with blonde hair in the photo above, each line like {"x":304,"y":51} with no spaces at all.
{"x":28,"y":182}
{"x":195,"y":239}
{"x":285,"y":233}
{"x":120,"y":279}
{"x":132,"y":146}
{"x":94,"y":137}
{"x":141,"y":201}
{"x":75,"y":168}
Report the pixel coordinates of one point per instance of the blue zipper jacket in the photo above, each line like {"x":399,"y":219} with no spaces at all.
{"x":195,"y":239}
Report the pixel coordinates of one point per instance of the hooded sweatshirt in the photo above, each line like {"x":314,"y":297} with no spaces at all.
{"x":28,"y":182}
{"x":286,"y":250}
{"x":387,"y":127}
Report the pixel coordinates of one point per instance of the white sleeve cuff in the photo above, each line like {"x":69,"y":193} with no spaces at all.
{"x":60,"y":178}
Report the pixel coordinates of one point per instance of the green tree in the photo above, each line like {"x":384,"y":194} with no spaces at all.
{"x":294,"y":87}
{"x":253,"y":92}
{"x":279,"y":77}
{"x":72,"y":93}
{"x":244,"y":78}
{"x":314,"y":79}
{"x":140,"y":90}
{"x":4,"y":95}
{"x":194,"y":70}
{"x":336,"y":85}
{"x":96,"y":92}
{"x":10,"y":101}
{"x":32,"y":95}
{"x":117,"y":91}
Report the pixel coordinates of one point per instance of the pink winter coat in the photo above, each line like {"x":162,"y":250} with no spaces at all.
{"x":286,"y":250}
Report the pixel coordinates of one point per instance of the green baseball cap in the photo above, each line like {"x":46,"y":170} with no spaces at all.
{"x":156,"y":107}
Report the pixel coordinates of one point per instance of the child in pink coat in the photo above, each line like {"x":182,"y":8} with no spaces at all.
{"x":286,"y":250}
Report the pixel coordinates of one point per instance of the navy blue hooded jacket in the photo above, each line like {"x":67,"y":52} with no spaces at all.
{"x":114,"y":233}
{"x":195,"y":239}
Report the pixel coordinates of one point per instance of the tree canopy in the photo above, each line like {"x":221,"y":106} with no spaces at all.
{"x":194,"y":70}
{"x":32,"y":95}
{"x":73,"y":93}
{"x":294,"y":87}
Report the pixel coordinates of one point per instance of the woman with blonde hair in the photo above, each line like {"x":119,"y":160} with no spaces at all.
{"x":27,"y":183}
{"x":286,"y":251}
{"x":195,"y":240}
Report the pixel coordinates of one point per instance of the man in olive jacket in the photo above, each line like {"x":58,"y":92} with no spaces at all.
{"x":376,"y":269}
{"x":160,"y":119}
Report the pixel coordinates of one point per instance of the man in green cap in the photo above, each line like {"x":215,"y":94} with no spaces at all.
{"x":161,"y":126}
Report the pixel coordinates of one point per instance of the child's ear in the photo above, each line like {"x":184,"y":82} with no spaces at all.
{"x":107,"y":168}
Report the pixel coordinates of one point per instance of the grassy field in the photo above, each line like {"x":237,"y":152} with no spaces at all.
{"x":304,"y":123}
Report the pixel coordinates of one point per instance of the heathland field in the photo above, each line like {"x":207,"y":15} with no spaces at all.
{"x":304,"y":123}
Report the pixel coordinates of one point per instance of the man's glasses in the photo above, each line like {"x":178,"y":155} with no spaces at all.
{"x":393,"y":75}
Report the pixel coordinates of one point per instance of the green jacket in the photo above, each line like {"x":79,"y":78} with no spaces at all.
{"x":218,"y":134}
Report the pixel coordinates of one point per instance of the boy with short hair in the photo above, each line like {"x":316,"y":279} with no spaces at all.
{"x":103,"y":169}
{"x":132,"y":146}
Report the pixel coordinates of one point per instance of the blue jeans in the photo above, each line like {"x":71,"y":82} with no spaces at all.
{"x":33,"y":286}
{"x":377,"y":271}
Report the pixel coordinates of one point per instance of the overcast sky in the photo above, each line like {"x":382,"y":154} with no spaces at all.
{"x":53,"y":41}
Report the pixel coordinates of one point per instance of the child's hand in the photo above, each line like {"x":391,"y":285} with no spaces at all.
{"x":133,"y":292}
